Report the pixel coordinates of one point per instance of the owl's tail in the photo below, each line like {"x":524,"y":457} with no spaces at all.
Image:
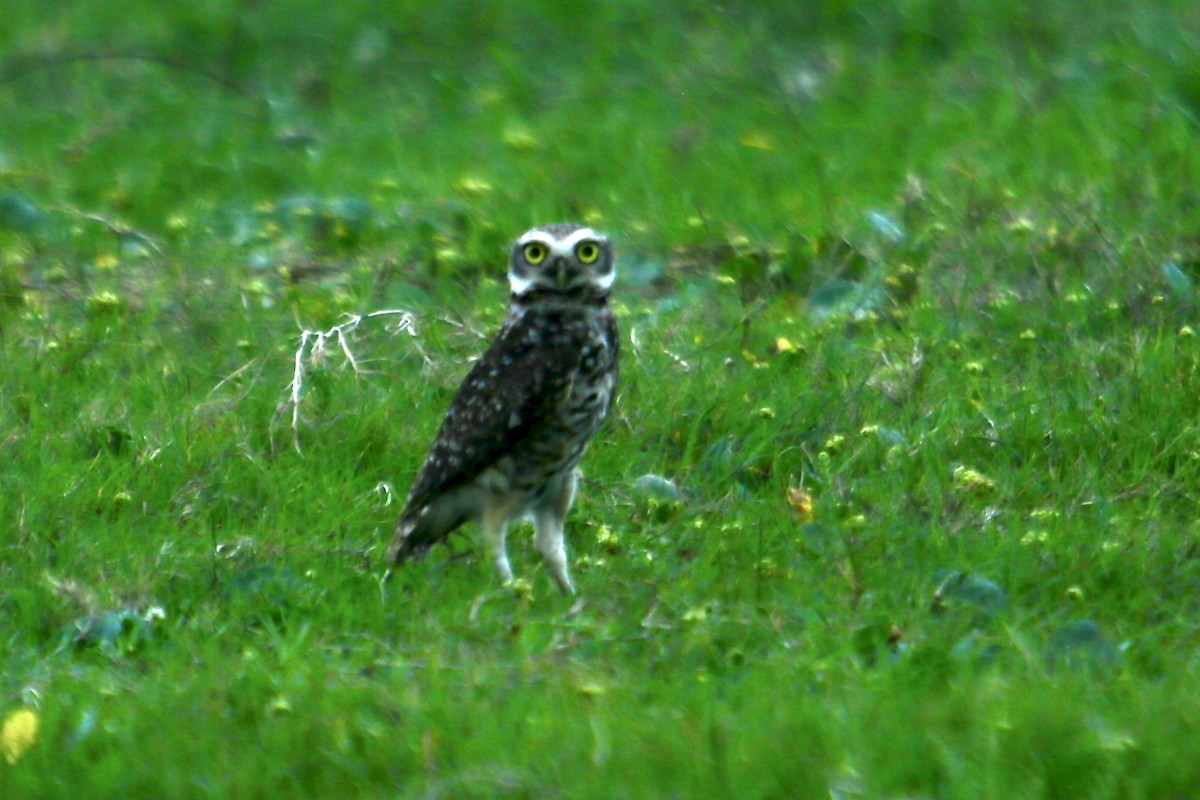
{"x":416,"y":533}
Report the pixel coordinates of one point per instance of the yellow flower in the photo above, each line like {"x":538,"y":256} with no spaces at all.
{"x":473,"y":186}
{"x":520,"y":139}
{"x":757,"y":141}
{"x":104,"y":303}
{"x":972,"y":481}
{"x":783,"y":345}
{"x":20,"y":732}
{"x":609,"y":541}
{"x":1036,"y":536}
{"x":521,"y":588}
{"x":1022,"y":224}
{"x":801,"y":502}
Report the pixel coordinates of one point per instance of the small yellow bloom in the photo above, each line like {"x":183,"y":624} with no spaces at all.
{"x":783,"y":345}
{"x":1035,"y":537}
{"x":609,"y":541}
{"x":801,"y":502}
{"x":473,"y":186}
{"x":448,"y":255}
{"x":699,"y":614}
{"x":757,"y":141}
{"x":20,"y":732}
{"x":520,"y":139}
{"x":521,"y":588}
{"x":972,"y":481}
{"x":1187,"y":331}
{"x":753,"y":360}
{"x":1028,"y":334}
{"x":766,"y":412}
{"x":973,"y":367}
{"x":107,"y":261}
{"x":104,"y":303}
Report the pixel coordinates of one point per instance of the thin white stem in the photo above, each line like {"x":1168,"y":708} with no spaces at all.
{"x":312,"y":349}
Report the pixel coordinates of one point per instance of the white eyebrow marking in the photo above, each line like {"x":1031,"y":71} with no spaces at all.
{"x":561,"y":247}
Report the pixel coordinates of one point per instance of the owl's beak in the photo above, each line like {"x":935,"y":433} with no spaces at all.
{"x":562,"y":272}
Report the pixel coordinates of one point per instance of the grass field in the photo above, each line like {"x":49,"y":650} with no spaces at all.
{"x":909,"y":299}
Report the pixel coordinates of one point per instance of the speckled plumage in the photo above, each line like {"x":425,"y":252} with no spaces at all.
{"x":523,"y":417}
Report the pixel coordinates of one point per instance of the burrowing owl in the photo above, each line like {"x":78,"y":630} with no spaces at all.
{"x":523,"y":416}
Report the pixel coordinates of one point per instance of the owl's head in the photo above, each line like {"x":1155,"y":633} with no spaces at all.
{"x":561,"y":260}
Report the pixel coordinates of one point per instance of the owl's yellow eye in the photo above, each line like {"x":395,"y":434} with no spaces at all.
{"x":588,"y":252}
{"x":535,"y":253}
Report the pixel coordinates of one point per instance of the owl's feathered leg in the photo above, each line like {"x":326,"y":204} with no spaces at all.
{"x":494,"y":526}
{"x":549,"y":513}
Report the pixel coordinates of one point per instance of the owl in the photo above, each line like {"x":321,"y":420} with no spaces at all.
{"x":523,"y":417}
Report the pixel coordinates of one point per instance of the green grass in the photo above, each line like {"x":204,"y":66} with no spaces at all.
{"x":992,"y":410}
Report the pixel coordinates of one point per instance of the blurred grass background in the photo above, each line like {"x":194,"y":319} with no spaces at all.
{"x":899,"y":497}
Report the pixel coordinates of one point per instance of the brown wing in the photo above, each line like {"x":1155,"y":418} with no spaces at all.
{"x":525,"y":373}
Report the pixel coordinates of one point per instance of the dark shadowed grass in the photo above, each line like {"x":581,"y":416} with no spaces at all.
{"x":909,"y":313}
